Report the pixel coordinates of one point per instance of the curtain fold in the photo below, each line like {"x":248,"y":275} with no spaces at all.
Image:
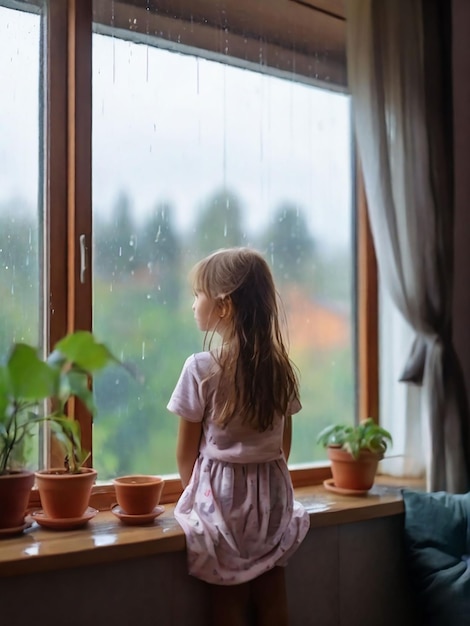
{"x":399,"y":70}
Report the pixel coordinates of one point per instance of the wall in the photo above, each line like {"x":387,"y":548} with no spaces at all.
{"x":347,"y":575}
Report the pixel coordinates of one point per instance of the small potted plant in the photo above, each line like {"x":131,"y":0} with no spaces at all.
{"x":354,"y":452}
{"x":25,"y":380}
{"x":65,"y":492}
{"x":28,"y":382}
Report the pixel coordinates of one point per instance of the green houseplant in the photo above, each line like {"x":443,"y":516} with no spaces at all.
{"x":354,"y":452}
{"x":28,"y":382}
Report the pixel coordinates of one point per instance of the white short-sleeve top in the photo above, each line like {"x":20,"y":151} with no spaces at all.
{"x":194,"y":399}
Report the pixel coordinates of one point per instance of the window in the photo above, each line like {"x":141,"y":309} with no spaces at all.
{"x":20,"y":177}
{"x":21,"y":180}
{"x":212,"y":126}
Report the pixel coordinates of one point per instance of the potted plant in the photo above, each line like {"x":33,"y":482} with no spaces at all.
{"x":26,"y":382}
{"x":65,"y":492}
{"x":354,"y":452}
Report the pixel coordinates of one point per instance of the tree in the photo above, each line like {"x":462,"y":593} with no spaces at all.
{"x":290,"y":247}
{"x":20,"y":273}
{"x":19,"y":234}
{"x":219,"y":224}
{"x":160,"y":253}
{"x":116,"y":242}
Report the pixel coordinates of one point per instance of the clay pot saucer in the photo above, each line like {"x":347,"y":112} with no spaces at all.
{"x":64,"y":523}
{"x":136,"y":520}
{"x":330,"y":485}
{"x":17,"y":530}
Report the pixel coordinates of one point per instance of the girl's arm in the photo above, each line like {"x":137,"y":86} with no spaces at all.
{"x":287,"y":437}
{"x":187,"y":448}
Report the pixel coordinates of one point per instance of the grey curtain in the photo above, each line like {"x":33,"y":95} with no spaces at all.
{"x":399,"y":71}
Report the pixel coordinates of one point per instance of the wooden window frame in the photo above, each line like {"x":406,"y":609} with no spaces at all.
{"x":68,"y":294}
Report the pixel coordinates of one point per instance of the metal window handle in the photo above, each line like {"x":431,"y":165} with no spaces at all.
{"x":82,"y":258}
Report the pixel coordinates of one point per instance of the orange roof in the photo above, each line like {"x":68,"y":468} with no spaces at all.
{"x":313,"y":324}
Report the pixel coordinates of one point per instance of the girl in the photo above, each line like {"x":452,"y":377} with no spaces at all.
{"x":235,"y":404}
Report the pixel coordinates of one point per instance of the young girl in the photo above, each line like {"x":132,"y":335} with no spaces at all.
{"x":235,"y":404}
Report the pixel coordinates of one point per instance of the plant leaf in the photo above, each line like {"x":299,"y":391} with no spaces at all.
{"x":29,"y":377}
{"x":3,"y":392}
{"x":67,"y":432}
{"x":367,"y":435}
{"x":77,"y":383}
{"x":82,"y":349}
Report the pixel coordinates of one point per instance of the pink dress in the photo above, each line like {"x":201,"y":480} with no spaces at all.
{"x":238,"y":512}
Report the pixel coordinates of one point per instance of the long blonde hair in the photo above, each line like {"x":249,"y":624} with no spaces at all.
{"x":257,"y":377}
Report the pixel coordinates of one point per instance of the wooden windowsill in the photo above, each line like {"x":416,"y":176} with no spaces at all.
{"x":106,"y":539}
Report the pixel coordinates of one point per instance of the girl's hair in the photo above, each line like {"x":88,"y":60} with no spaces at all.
{"x":258,"y":379}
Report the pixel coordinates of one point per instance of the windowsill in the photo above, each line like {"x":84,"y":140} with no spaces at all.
{"x":106,"y":539}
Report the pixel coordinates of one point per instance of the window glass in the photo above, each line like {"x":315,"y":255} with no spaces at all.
{"x":398,"y":400}
{"x":20,"y":177}
{"x":191,"y":154}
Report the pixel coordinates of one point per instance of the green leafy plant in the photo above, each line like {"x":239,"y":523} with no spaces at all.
{"x":367,"y":435}
{"x":27,"y":382}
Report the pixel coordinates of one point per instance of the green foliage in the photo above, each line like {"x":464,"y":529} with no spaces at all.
{"x":134,"y":432}
{"x":327,"y":386}
{"x":367,"y":435}
{"x":27,"y":381}
{"x":67,"y":432}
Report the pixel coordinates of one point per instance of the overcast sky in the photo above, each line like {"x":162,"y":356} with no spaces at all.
{"x":168,"y":126}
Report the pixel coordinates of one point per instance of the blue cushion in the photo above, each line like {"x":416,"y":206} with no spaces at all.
{"x":438,"y":549}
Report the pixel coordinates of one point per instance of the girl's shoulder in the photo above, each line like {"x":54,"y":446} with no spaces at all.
{"x":202,"y":363}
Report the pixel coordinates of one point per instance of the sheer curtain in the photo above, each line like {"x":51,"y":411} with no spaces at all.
{"x":399,"y":76}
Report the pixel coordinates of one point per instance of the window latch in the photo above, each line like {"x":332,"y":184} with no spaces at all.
{"x":82,"y":258}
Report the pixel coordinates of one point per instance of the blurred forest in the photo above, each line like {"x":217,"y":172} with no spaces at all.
{"x":142,"y":310}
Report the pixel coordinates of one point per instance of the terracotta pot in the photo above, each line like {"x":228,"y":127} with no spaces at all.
{"x":350,"y":473}
{"x":138,"y":494}
{"x":15,"y":489}
{"x":65,"y":495}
